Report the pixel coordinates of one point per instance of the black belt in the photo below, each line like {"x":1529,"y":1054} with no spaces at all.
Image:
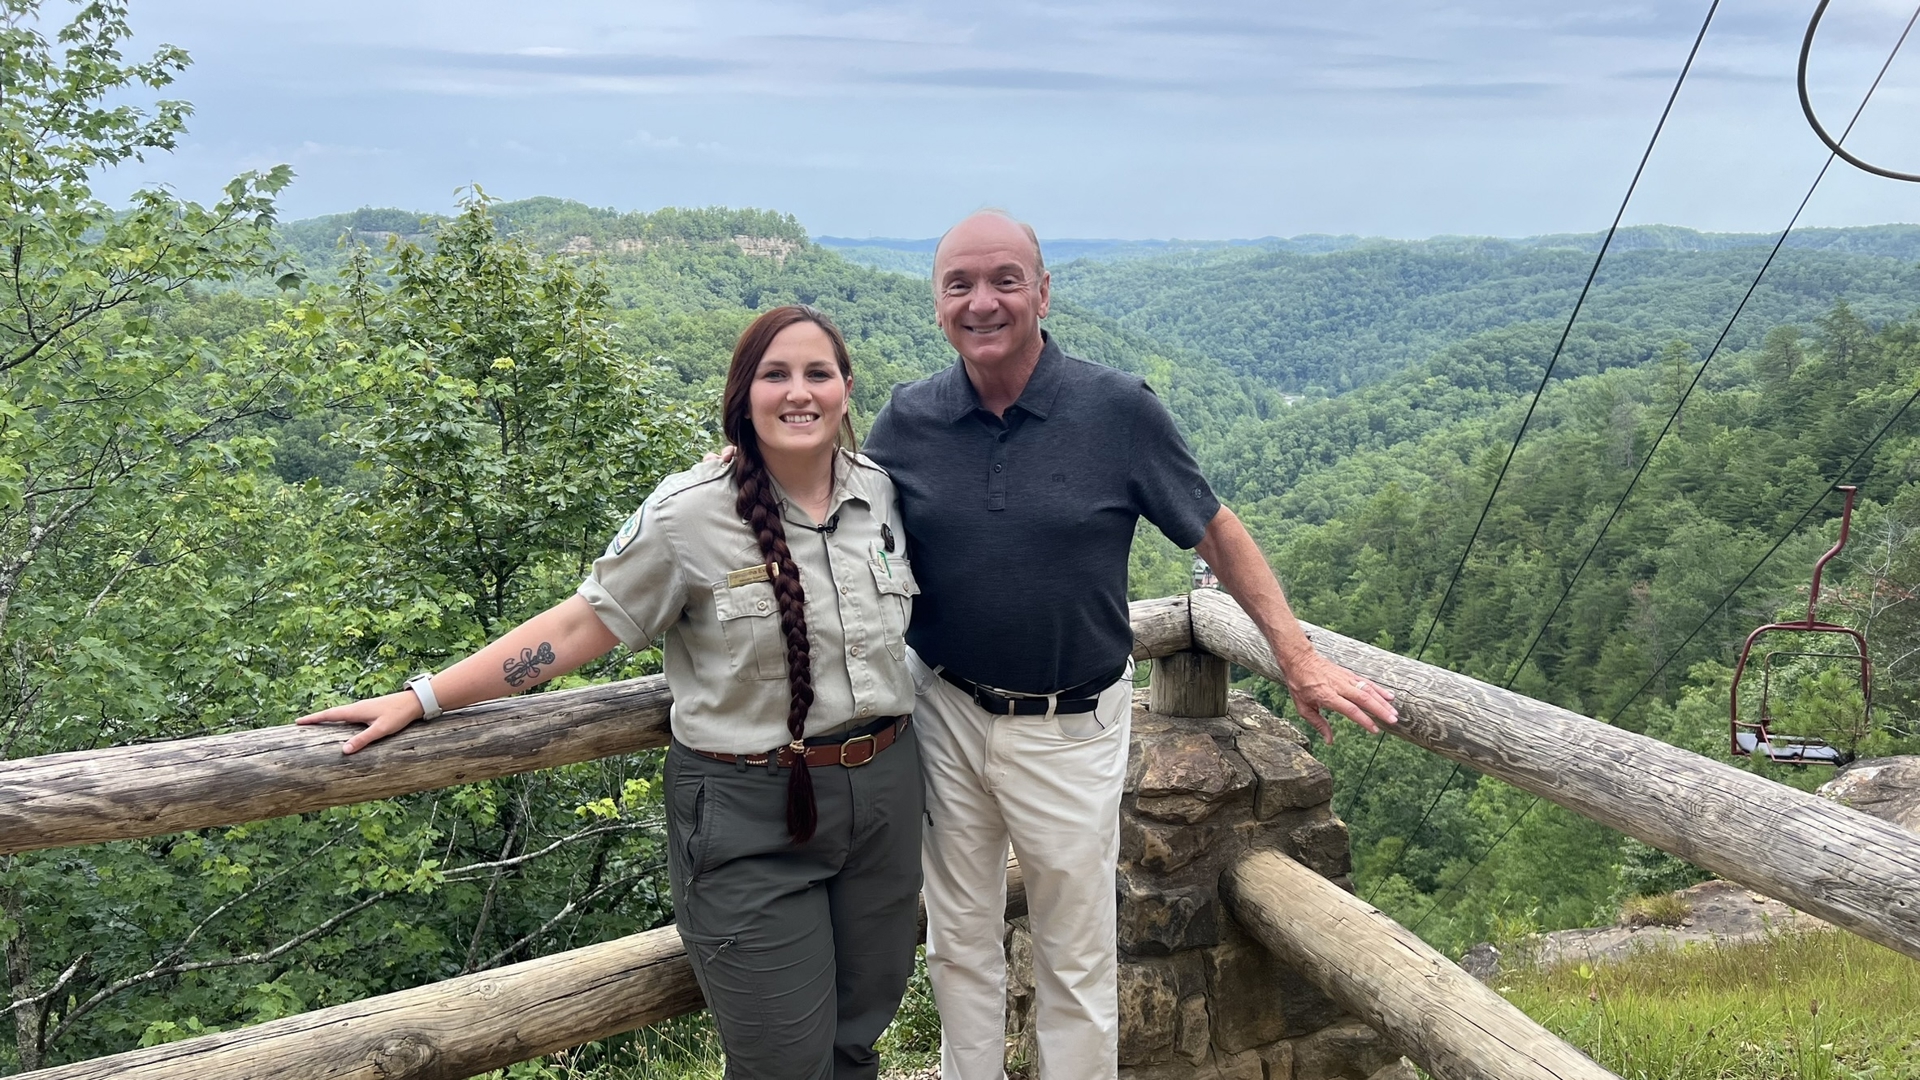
{"x":1074,"y":699}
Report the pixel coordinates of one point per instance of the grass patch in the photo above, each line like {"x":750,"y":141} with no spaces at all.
{"x":1660,"y":909}
{"x":1810,"y":1006}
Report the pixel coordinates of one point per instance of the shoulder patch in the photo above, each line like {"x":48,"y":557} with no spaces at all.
{"x":627,"y":532}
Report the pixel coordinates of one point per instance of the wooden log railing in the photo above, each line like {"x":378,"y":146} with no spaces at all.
{"x":1438,"y":1015}
{"x":152,"y":789}
{"x":455,"y":1028}
{"x":1848,"y":868}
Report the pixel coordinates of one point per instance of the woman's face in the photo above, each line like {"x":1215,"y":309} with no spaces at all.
{"x":799,"y":396}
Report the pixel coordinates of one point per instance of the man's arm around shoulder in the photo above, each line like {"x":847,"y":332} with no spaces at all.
{"x":1313,"y":681}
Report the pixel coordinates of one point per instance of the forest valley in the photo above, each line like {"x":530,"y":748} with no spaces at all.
{"x":250,"y":468}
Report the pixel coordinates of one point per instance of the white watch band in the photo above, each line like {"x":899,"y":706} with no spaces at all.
{"x":422,"y":687}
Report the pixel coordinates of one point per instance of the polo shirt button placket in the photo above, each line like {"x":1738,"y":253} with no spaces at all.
{"x":997,"y":476}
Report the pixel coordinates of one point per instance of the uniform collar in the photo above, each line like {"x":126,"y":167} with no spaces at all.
{"x":962,"y":400}
{"x":849,"y":485}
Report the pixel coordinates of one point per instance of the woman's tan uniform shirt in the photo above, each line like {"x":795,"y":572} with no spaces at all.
{"x":685,"y":564}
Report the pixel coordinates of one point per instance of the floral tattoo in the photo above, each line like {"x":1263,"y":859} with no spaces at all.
{"x":528,"y":664}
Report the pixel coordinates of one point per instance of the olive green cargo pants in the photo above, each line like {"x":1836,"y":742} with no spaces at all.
{"x":802,"y":951}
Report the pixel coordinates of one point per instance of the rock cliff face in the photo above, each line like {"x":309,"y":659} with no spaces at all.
{"x":1200,"y":1000}
{"x":1887,"y":788}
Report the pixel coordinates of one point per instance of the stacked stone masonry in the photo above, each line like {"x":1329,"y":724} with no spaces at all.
{"x":1199,"y":999}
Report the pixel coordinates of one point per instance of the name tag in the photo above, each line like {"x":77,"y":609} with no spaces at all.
{"x":747,"y":576}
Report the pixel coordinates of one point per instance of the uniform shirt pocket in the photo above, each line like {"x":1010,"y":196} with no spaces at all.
{"x":893,"y":578}
{"x":750,"y":620}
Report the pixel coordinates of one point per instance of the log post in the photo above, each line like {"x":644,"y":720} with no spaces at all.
{"x":1438,"y":1015}
{"x":1822,"y":858}
{"x":1189,"y":683}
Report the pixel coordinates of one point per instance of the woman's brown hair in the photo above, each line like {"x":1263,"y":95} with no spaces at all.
{"x":759,"y":507}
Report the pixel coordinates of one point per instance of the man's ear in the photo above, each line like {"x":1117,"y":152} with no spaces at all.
{"x":1046,"y":291}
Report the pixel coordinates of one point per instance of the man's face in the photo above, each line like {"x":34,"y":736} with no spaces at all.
{"x":989,"y":299}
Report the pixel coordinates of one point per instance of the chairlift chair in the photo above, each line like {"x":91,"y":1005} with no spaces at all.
{"x":1752,"y":737}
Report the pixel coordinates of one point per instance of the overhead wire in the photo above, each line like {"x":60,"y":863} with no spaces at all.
{"x":1546,"y":377}
{"x":1806,"y":100}
{"x":1836,"y":153}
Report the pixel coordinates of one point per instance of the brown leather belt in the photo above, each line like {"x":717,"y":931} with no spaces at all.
{"x":851,"y":752}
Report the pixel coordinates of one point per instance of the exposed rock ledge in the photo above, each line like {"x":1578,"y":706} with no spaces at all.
{"x":1888,"y":788}
{"x":1722,"y":911}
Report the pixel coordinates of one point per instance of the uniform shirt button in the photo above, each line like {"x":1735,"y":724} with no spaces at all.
{"x":853,"y":650}
{"x":844,"y":591}
{"x":998,"y":467}
{"x":763,"y":605}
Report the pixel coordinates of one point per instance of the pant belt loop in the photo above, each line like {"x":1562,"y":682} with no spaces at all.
{"x":1053,"y":703}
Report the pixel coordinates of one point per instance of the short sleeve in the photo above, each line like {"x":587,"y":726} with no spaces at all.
{"x":1163,"y":478}
{"x":637,"y":587}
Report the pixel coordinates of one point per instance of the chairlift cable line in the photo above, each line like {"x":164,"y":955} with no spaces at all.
{"x":1806,"y":101}
{"x":1888,"y":426}
{"x":1546,"y":377}
{"x":1784,"y":537}
{"x":1674,"y":418}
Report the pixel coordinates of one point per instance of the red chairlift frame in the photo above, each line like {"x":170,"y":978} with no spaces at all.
{"x":1751,"y":737}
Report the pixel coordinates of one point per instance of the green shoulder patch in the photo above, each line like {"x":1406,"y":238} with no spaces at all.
{"x":626,"y":534}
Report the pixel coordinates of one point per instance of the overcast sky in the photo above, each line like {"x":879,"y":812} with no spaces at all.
{"x":1158,"y":118}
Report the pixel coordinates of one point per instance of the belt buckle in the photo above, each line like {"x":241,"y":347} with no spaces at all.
{"x":873,"y":750}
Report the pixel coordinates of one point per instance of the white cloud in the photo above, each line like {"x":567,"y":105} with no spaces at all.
{"x":1128,"y":118}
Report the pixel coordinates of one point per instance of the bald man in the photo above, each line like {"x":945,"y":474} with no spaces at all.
{"x":1021,"y":473}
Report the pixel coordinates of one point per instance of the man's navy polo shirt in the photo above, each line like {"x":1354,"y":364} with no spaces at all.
{"x":1019,"y":529}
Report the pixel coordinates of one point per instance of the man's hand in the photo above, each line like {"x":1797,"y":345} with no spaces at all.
{"x":725,"y":455}
{"x":1318,"y":684}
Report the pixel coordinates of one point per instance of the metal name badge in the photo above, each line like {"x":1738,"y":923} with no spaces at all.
{"x":747,"y":576}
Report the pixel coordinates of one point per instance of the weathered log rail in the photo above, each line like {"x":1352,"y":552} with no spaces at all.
{"x":1850,"y":869}
{"x":455,"y":1028}
{"x":1846,"y":867}
{"x":153,"y":789}
{"x":1438,"y":1015}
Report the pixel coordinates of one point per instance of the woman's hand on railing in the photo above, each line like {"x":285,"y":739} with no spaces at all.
{"x":547,"y":646}
{"x":382,"y":715}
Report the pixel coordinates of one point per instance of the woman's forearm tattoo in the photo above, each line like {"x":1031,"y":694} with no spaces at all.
{"x":528,"y":664}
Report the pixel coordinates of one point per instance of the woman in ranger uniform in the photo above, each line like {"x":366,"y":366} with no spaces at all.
{"x":781,"y":582}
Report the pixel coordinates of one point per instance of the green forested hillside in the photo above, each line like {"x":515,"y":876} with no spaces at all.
{"x":1327,"y":324}
{"x":247,"y":470}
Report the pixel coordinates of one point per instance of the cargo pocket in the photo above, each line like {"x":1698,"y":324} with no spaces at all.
{"x":750,"y":620}
{"x":894,"y":580}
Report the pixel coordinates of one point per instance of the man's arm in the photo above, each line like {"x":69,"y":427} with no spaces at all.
{"x":1314,"y":682}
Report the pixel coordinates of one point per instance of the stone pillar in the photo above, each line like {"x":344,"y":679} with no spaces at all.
{"x":1199,"y":999}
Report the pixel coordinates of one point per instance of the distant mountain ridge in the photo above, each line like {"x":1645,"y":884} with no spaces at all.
{"x":1894,"y":240}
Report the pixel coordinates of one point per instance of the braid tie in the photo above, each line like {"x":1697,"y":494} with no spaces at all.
{"x":760,"y":507}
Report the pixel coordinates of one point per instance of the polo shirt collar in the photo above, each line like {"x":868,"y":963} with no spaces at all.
{"x":962,"y":399}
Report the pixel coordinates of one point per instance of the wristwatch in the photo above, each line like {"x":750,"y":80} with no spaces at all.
{"x":422,"y":687}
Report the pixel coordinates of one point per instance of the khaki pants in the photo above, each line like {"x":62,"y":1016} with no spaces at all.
{"x":1051,"y":787}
